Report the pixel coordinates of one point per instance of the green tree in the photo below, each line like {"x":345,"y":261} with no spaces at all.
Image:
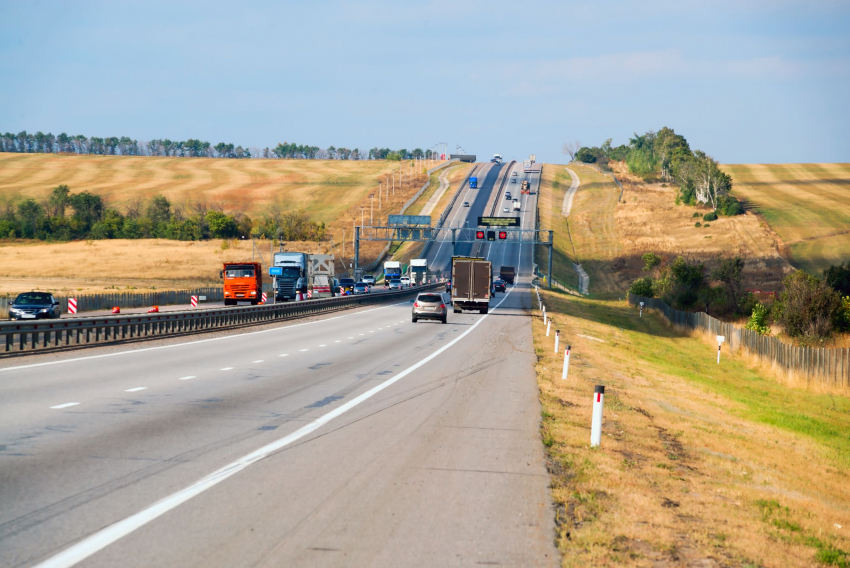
{"x":159,"y":209}
{"x":221,"y":226}
{"x":808,"y":307}
{"x":60,"y":198}
{"x":88,"y":208}
{"x":650,"y":261}
{"x":29,"y":212}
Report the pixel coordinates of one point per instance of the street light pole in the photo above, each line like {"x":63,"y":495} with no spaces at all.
{"x":371,"y":208}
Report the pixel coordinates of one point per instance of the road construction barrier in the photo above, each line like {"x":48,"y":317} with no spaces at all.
{"x":596,"y":421}
{"x":194,"y":301}
{"x":154,"y":310}
{"x":264,"y":297}
{"x":18,"y":336}
{"x":116,"y":309}
{"x":72,"y":305}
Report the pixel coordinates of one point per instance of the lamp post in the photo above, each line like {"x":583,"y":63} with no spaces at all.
{"x":371,"y":208}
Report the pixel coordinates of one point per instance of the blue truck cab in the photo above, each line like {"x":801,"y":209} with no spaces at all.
{"x":473,"y":183}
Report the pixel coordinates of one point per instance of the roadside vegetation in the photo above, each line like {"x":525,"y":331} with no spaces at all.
{"x":700,"y":463}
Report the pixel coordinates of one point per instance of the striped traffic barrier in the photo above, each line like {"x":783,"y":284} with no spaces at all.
{"x":596,"y":423}
{"x":72,"y":305}
{"x":194,"y":301}
{"x":265,"y":297}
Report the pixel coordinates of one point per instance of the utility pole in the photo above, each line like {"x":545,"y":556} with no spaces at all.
{"x":379,"y":198}
{"x":361,"y":216}
{"x":371,"y":209}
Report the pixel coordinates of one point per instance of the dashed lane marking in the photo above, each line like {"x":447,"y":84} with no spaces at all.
{"x":186,"y":378}
{"x":257,"y":361}
{"x":284,"y":355}
{"x":226,"y":369}
{"x":303,"y":349}
{"x":137,"y":389}
{"x":66,"y":405}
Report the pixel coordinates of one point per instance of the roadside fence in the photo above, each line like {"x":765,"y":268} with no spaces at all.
{"x":829,"y":366}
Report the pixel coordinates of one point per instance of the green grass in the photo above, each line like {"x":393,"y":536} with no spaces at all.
{"x":807,"y":205}
{"x":554,"y":183}
{"x":820,"y":417}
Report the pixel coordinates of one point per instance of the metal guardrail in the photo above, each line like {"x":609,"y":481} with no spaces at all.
{"x":29,"y":336}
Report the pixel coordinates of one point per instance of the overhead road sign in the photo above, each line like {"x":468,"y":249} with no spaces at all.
{"x":409,"y":221}
{"x":498,"y":221}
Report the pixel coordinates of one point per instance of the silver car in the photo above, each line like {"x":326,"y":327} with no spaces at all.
{"x":429,"y":305}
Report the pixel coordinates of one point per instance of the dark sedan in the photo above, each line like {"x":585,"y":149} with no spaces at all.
{"x":34,"y":305}
{"x":498,"y":285}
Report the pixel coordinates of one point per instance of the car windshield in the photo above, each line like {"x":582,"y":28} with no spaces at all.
{"x":346,"y":281}
{"x":430,"y":298}
{"x":33,"y":299}
{"x":239,"y":272}
{"x":290,"y":272}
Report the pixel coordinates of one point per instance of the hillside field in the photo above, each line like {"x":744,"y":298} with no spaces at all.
{"x":806,"y":205}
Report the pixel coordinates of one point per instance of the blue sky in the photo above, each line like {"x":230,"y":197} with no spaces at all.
{"x":757,"y":81}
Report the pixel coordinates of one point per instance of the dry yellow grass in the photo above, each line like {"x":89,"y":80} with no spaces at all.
{"x":648,"y":220}
{"x":700,"y":464}
{"x":554,"y":183}
{"x":92,"y":266}
{"x":805,"y":204}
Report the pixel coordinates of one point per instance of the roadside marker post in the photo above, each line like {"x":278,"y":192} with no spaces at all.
{"x":72,"y":305}
{"x":194,"y":301}
{"x":641,"y":309}
{"x":566,"y":363}
{"x":720,"y":340}
{"x":557,"y":339}
{"x":265,"y":297}
{"x":548,"y":325}
{"x":596,"y":424}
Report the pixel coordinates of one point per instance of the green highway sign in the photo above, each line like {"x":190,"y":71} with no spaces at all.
{"x":498,"y":221}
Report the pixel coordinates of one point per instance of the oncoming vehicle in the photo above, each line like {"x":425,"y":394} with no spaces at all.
{"x":507,"y":195}
{"x":513,"y":180}
{"x":34,"y":305}
{"x":395,"y":284}
{"x":405,"y":281}
{"x":513,"y":173}
{"x":466,"y":203}
{"x":361,"y":288}
{"x":429,"y":306}
{"x":506,"y":210}
{"x":498,"y":285}
{"x":242,"y":281}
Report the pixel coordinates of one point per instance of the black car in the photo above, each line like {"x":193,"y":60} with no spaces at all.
{"x":34,"y":305}
{"x":498,"y":285}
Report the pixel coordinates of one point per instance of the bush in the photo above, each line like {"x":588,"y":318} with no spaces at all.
{"x":642,"y":287}
{"x":706,"y":225}
{"x":711,"y":216}
{"x":758,"y":321}
{"x":697,"y":224}
{"x":809,"y":308}
{"x":695,"y":215}
{"x":729,"y":206}
{"x":837,"y":276}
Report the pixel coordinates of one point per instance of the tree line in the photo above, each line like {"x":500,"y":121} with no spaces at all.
{"x":809,"y":309}
{"x":29,"y":143}
{"x":66,"y":216}
{"x":667,"y":156}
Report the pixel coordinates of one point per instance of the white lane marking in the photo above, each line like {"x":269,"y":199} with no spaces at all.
{"x":337,"y":341}
{"x":284,"y":355}
{"x":103,"y":538}
{"x":66,"y":405}
{"x":257,"y":361}
{"x":226,"y":369}
{"x":137,"y":389}
{"x":186,"y":378}
{"x":361,"y":334}
{"x":134,"y":351}
{"x":303,"y":349}
{"x":323,"y":345}
{"x":350,"y":338}
{"x":370,"y":331}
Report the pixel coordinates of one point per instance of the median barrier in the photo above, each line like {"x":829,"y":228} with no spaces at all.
{"x":27,"y":336}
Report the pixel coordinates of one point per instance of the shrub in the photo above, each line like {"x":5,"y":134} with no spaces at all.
{"x":837,"y":276}
{"x":729,"y":206}
{"x":697,"y":224}
{"x":758,"y":321}
{"x":695,"y":215}
{"x":706,"y":225}
{"x":710,"y":216}
{"x":809,"y":308}
{"x":642,"y":287}
{"x":650,"y":261}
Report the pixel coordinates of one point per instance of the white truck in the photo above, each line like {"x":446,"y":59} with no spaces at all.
{"x":418,"y":270}
{"x":516,"y":204}
{"x":321,"y":275}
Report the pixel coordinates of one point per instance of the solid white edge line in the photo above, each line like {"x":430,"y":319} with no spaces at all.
{"x":280,"y":328}
{"x":66,"y":405}
{"x":103,"y":538}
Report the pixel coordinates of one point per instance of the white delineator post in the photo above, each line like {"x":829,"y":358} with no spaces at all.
{"x":548,"y":325}
{"x":720,"y":340}
{"x":596,"y":423}
{"x":566,"y":363}
{"x":557,"y":338}
{"x":544,"y":314}
{"x":72,"y":306}
{"x":641,"y":309}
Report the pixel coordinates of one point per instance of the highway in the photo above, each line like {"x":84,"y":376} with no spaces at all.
{"x":353,"y":439}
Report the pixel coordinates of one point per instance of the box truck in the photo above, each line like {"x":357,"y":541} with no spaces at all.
{"x":472,"y":280}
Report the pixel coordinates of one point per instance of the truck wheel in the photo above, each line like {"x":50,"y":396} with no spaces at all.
{"x":458,"y":311}
{"x":414,"y":320}
{"x":230,"y":302}
{"x":483,"y":310}
{"x":254,"y":302}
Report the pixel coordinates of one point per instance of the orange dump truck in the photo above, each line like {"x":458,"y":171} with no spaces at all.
{"x":242,"y":281}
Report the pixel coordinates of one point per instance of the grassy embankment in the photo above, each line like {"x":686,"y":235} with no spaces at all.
{"x":592,"y":237}
{"x":328,"y":191}
{"x":700,"y":464}
{"x":806,"y":205}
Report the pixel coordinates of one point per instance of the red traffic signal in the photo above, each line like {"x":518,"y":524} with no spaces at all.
{"x":479,"y":235}
{"x":503,"y":234}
